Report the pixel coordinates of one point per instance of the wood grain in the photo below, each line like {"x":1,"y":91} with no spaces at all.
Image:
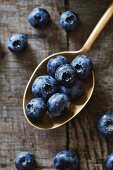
{"x":80,"y":134}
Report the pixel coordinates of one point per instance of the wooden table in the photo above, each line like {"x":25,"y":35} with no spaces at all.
{"x":79,"y":134}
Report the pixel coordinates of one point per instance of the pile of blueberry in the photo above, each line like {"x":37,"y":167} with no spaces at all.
{"x":39,"y":18}
{"x":64,"y":83}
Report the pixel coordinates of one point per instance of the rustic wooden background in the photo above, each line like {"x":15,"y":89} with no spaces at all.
{"x":80,"y":134}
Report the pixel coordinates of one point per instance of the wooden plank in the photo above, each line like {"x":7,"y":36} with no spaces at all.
{"x":83,"y":135}
{"x":15,"y":133}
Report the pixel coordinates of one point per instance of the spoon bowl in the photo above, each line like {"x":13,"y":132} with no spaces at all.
{"x":48,"y":121}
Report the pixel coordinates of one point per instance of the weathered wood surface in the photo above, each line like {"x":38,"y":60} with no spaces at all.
{"x":80,"y":134}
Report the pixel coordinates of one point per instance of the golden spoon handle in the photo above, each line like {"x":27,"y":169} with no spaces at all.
{"x":99,"y":27}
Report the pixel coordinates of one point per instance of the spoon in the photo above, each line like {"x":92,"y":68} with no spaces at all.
{"x":53,"y":122}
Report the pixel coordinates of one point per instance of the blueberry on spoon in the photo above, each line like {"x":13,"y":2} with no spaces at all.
{"x":83,"y":66}
{"x":75,"y":91}
{"x":58,"y":104}
{"x":36,"y":109}
{"x":65,"y":75}
{"x":54,"y":63}
{"x":44,"y":87}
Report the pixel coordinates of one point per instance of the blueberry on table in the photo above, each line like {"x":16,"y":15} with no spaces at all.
{"x":25,"y":161}
{"x":66,"y":160}
{"x":39,"y":18}
{"x":58,"y":104}
{"x":65,"y":75}
{"x":105,"y":124}
{"x":16,"y":43}
{"x":44,"y":87}
{"x":83,"y":66}
{"x":109,"y":162}
{"x":35,"y":109}
{"x":54,"y":63}
{"x":69,"y":20}
{"x":75,"y":91}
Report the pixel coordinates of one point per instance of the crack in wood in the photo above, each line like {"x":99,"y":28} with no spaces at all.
{"x":66,"y":2}
{"x":3,"y":165}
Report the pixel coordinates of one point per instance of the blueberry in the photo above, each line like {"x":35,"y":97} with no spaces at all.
{"x":44,"y":86}
{"x":65,"y":75}
{"x":109,"y":162}
{"x":105,"y":124}
{"x":39,"y":17}
{"x":75,"y":91}
{"x":66,"y":160}
{"x":16,"y":43}
{"x":54,"y":63}
{"x":83,"y":66}
{"x":36,"y":109}
{"x":25,"y":161}
{"x":69,"y":20}
{"x":58,"y":104}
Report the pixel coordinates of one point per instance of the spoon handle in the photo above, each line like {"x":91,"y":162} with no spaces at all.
{"x":98,"y":28}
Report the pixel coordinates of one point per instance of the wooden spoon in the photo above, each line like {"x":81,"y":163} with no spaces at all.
{"x":52,"y":122}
